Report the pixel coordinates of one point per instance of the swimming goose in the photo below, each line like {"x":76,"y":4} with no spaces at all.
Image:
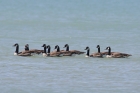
{"x":97,"y":55}
{"x":116,"y":54}
{"x":73,"y":51}
{"x":36,"y":51}
{"x":24,"y":53}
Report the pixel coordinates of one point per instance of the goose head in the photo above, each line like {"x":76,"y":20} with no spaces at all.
{"x":108,"y":48}
{"x":15,"y":45}
{"x":66,"y":45}
{"x":57,"y":48}
{"x":48,"y":46}
{"x":44,"y":45}
{"x":87,"y":48}
{"x":26,"y":47}
{"x":98,"y":46}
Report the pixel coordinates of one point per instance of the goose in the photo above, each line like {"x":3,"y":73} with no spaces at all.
{"x":51,"y":54}
{"x":24,"y":53}
{"x":73,"y":51}
{"x":97,"y":55}
{"x":36,"y":51}
{"x":116,"y":54}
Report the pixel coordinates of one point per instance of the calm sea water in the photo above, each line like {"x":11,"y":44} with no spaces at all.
{"x":79,"y":23}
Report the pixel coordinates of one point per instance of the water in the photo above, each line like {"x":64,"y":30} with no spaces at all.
{"x":78,"y":23}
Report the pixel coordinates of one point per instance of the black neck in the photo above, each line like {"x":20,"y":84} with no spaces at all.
{"x":26,"y":48}
{"x":67,"y":48}
{"x":49,"y":49}
{"x":58,"y":49}
{"x":88,"y":52}
{"x":17,"y":49}
{"x":99,"y":50}
{"x":44,"y":49}
{"x":109,"y":51}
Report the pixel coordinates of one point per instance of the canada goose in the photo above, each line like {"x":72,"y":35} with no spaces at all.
{"x":36,"y":51}
{"x":51,"y":54}
{"x":24,"y":53}
{"x":116,"y":54}
{"x":62,"y":52}
{"x":98,"y":54}
{"x":73,"y":51}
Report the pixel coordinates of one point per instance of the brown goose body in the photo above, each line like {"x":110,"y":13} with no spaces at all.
{"x":67,"y":53}
{"x":116,"y":54}
{"x":36,"y":51}
{"x":72,"y":51}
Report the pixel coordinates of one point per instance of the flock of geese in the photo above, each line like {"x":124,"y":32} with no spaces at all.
{"x":46,"y":52}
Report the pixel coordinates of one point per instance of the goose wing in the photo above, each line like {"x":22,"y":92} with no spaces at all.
{"x":55,"y":54}
{"x":24,"y":54}
{"x":68,"y":53}
{"x":34,"y":51}
{"x":77,"y":52}
{"x":106,"y":53}
{"x":120,"y":55}
{"x":96,"y":55}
